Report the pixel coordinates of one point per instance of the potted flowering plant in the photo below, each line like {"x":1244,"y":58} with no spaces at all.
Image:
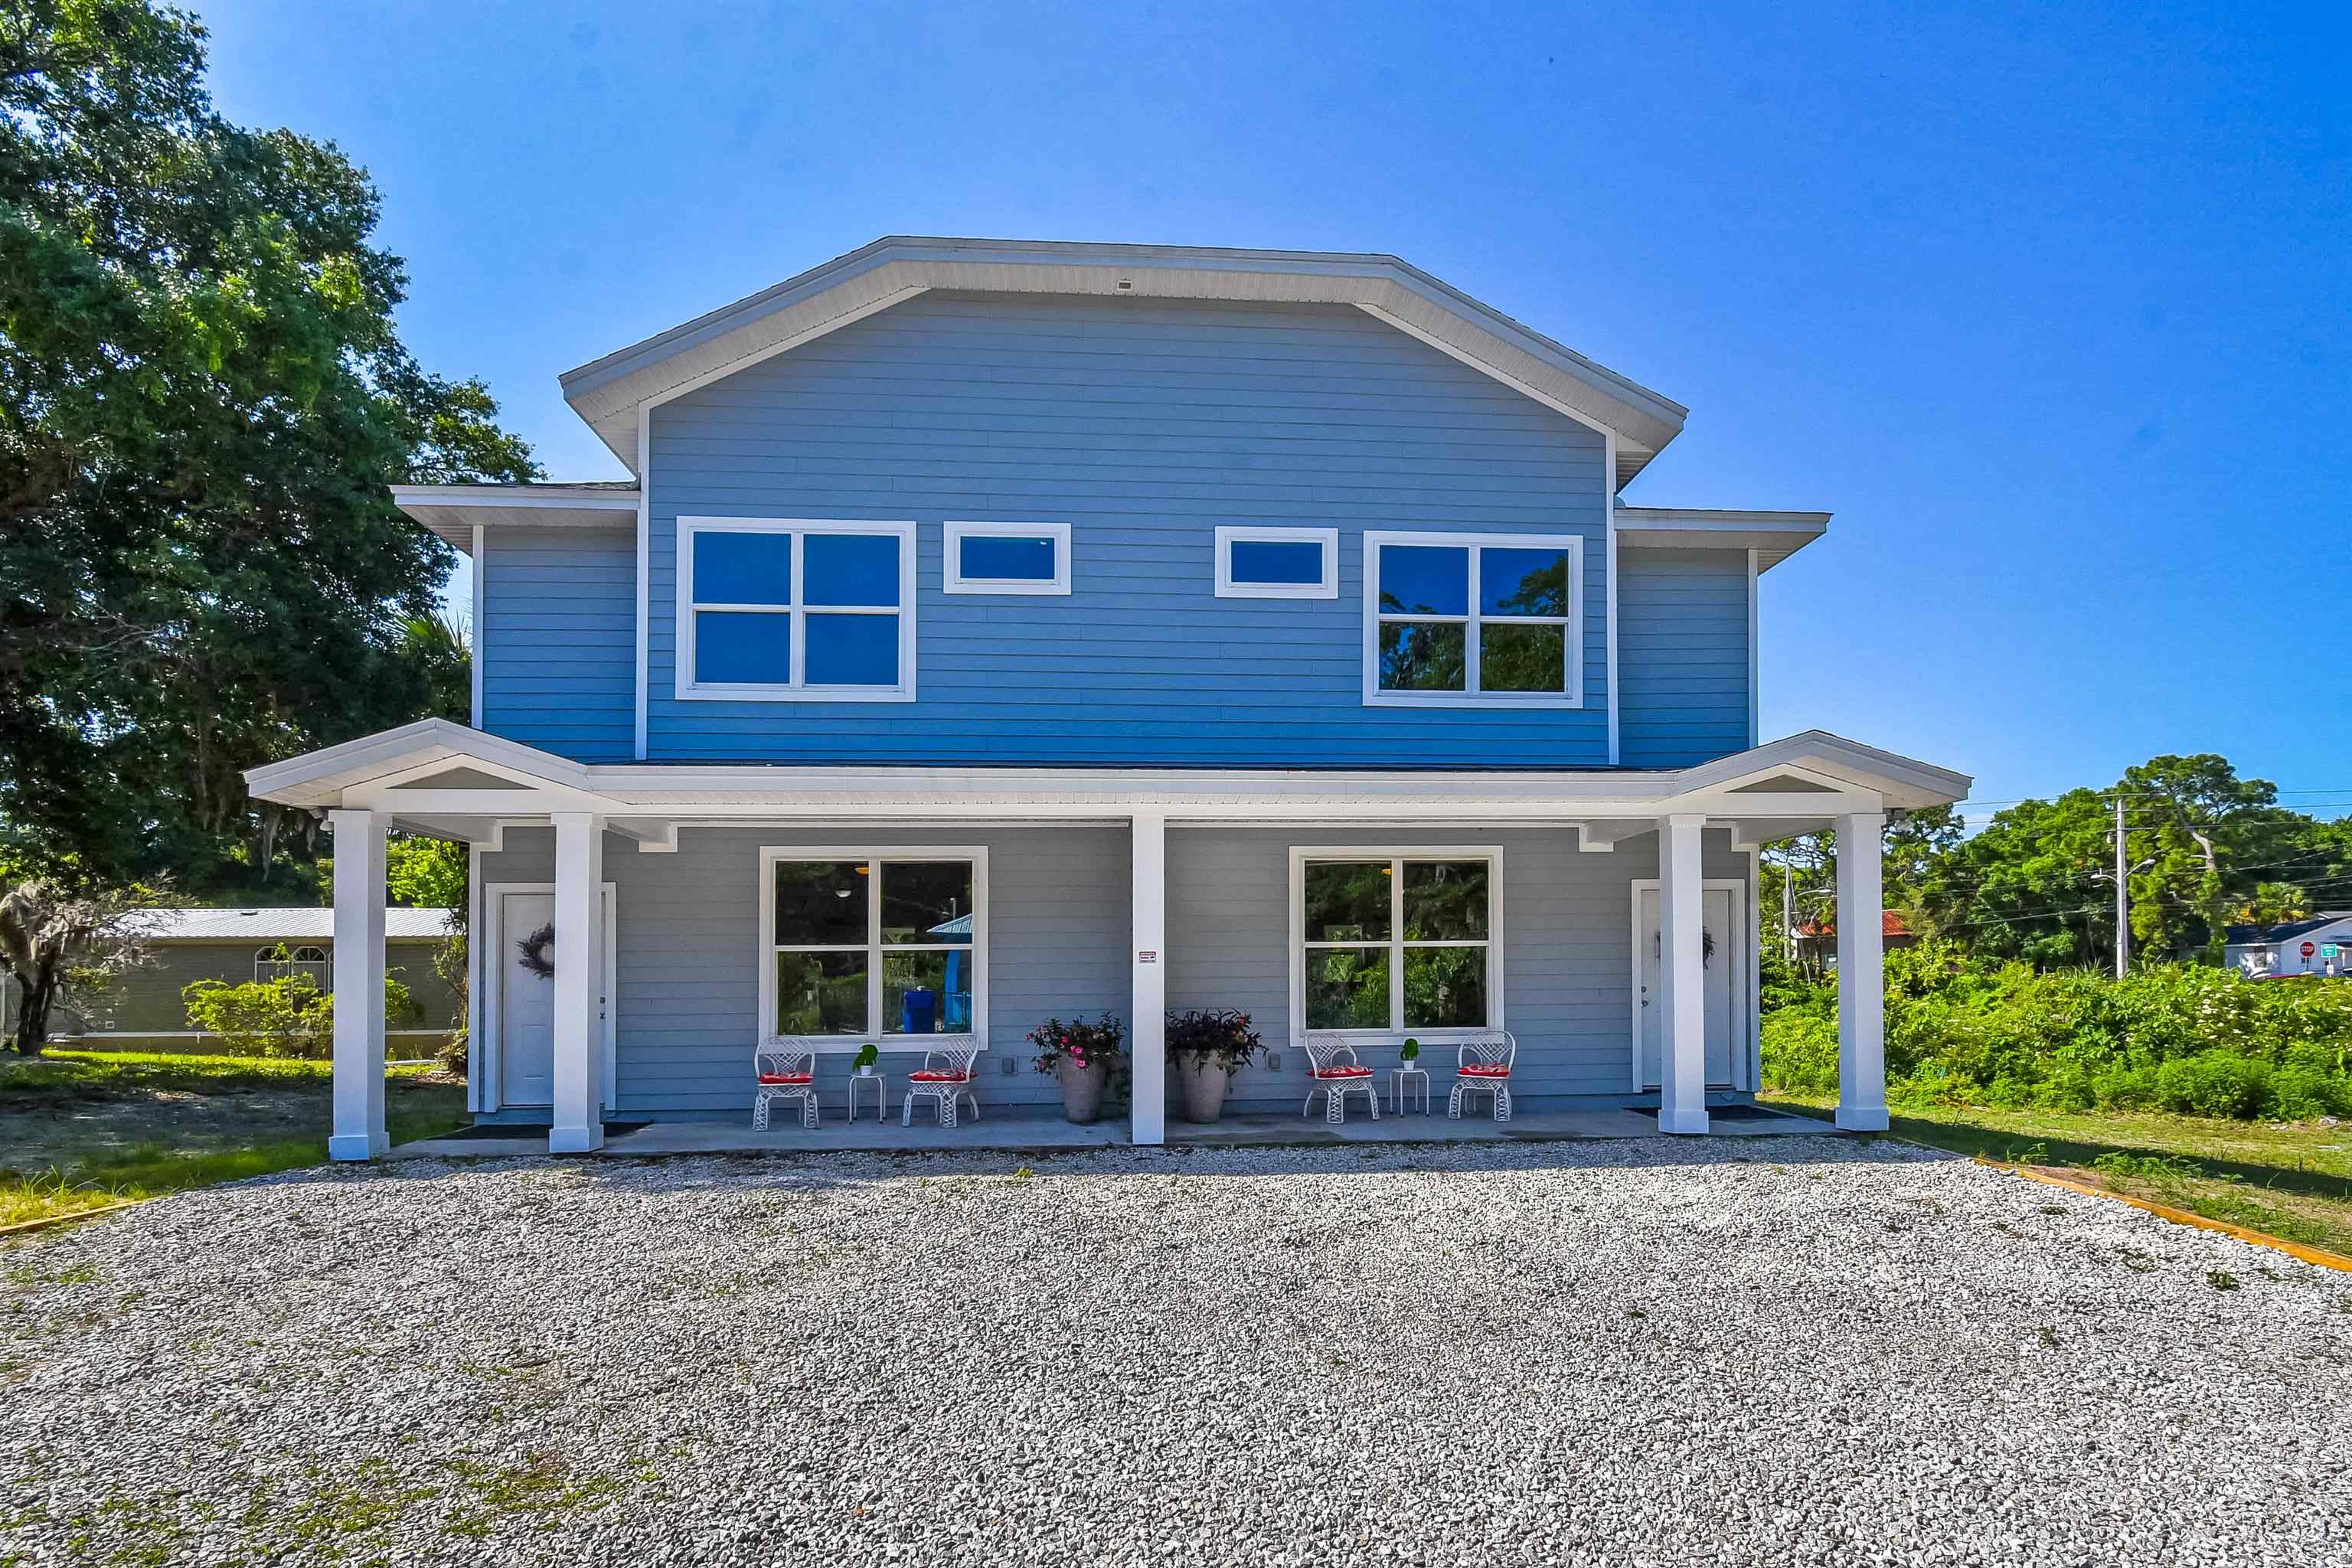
{"x":1207,"y":1047}
{"x":1081,"y":1055}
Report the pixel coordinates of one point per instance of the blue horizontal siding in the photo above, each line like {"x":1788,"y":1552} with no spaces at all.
{"x":1682,"y":652}
{"x":1145,"y":425}
{"x":558,"y":639}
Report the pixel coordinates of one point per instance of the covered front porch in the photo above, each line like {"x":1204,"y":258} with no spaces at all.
{"x":1605,"y":920}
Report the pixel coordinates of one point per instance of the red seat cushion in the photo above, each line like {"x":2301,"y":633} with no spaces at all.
{"x":786,"y":1078}
{"x":1484,"y":1069}
{"x":1340,"y":1072}
{"x":936,"y":1075}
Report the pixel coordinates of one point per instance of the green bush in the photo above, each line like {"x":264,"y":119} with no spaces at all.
{"x":288,"y":1016}
{"x":2177,"y":1037}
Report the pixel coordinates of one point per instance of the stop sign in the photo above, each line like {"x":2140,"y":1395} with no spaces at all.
{"x":2308,"y":949}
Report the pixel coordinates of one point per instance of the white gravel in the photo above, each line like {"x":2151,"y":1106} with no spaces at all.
{"x":1812,"y":1351}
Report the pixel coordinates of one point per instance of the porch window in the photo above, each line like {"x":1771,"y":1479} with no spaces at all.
{"x":1277,"y":562}
{"x":1396,"y":944}
{"x":1481,"y":620}
{"x":774,"y":610}
{"x":875,"y":946}
{"x":1007,"y":558}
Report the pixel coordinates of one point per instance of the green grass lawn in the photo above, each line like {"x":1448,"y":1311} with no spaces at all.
{"x":80,"y":1129}
{"x":2292,"y":1180}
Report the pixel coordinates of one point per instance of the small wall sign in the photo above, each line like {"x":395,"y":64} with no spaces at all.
{"x":1147,"y":955}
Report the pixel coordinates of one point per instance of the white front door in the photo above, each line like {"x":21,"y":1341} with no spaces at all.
{"x":524,"y":999}
{"x":1724,"y":950}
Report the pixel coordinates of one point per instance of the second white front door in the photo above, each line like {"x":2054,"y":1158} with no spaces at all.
{"x":1723,"y":950}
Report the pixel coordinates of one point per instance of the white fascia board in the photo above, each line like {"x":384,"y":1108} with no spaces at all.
{"x":1773,"y":535}
{"x":1906,"y":783}
{"x":453,"y":512}
{"x":318,"y":778}
{"x":608,"y":391}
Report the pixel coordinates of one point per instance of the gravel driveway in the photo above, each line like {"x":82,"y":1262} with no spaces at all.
{"x":1815,"y":1352}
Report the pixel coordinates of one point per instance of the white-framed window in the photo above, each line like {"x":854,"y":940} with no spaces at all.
{"x":1006,"y":558}
{"x":1491,"y":620}
{"x":795,"y":610}
{"x":278,"y":962}
{"x":1277,"y":562}
{"x":1390,"y":942}
{"x":861,"y":945}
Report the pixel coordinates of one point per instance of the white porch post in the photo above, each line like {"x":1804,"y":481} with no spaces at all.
{"x":1682,"y":976}
{"x":1862,"y":979}
{"x":359,"y":1131}
{"x":579,"y":1026}
{"x":1148,"y":1020}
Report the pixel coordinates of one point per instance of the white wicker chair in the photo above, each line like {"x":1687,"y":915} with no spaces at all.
{"x":1333,"y":1072}
{"x":784,"y":1069}
{"x":1483,"y":1067}
{"x":947,"y":1075}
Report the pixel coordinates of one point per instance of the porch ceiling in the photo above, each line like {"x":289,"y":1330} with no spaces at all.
{"x":444,"y":778}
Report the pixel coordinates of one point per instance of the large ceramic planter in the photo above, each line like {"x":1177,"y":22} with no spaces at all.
{"x":1082,"y":1088}
{"x":1203,"y":1078}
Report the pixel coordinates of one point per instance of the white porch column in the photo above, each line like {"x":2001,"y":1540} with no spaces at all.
{"x":1682,"y":976}
{"x":1148,"y":1009}
{"x":579,"y":1024}
{"x":359,"y":1131}
{"x":1862,"y":979}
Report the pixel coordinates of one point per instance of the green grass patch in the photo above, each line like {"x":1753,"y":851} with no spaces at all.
{"x":2294,"y":1182}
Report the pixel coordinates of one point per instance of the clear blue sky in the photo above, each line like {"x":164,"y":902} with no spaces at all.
{"x":2051,"y":306}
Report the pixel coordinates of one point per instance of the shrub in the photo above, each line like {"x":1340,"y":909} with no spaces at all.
{"x":2302,"y":1093}
{"x":288,"y":1016}
{"x":2213,"y":1083}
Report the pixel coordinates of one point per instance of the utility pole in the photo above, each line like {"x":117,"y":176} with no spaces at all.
{"x":2123,"y":896}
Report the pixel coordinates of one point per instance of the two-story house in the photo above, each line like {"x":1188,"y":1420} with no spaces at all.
{"x":994,"y":631}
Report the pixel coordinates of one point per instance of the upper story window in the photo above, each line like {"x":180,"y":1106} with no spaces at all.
{"x":776,"y":610}
{"x":1473,"y":619}
{"x":1277,"y":562}
{"x":1007,"y":558}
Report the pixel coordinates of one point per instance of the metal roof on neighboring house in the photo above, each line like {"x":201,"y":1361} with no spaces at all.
{"x":280,"y":924}
{"x":2287,"y":931}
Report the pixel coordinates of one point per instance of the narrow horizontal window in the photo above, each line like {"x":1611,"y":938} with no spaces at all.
{"x":772,"y":610}
{"x":1473,"y":619}
{"x":1007,"y":558}
{"x":1277,"y":562}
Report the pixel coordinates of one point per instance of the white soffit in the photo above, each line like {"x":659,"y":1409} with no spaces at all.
{"x":608,"y":391}
{"x":453,"y":512}
{"x":1773,"y":535}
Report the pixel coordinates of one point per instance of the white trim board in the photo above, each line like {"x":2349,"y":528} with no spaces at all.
{"x":772,"y":855}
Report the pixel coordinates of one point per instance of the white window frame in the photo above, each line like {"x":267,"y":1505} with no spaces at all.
{"x":1300,"y":855}
{"x":953,"y":581}
{"x":796,"y":690}
{"x":1228,"y":535}
{"x":318,"y":964}
{"x":771,"y":856}
{"x":1572,"y":694}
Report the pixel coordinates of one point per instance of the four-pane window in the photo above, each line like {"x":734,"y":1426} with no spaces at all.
{"x":1473,"y":618}
{"x":822,"y":611}
{"x":1396,"y":944}
{"x":865,"y":948}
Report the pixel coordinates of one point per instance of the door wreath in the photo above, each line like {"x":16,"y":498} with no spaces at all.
{"x":536,"y":951}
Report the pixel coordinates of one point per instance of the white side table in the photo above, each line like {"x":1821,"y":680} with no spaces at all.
{"x":1401,"y":1078}
{"x":881,"y":1082}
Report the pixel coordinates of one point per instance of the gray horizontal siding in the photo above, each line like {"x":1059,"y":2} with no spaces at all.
{"x":559,"y":640}
{"x":688,"y":958}
{"x":1682,"y":654}
{"x":1145,"y":425}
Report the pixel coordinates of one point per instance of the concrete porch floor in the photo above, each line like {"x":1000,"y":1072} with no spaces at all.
{"x":1043,"y":1132}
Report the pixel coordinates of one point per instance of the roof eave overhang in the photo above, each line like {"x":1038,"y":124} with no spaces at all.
{"x":1806,"y":778}
{"x":452,"y":513}
{"x":1773,"y":535}
{"x":609,"y":392}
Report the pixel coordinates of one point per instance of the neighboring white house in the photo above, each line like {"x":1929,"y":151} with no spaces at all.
{"x":2316,"y":944}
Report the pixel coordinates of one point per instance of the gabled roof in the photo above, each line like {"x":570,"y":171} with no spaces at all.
{"x":608,"y":391}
